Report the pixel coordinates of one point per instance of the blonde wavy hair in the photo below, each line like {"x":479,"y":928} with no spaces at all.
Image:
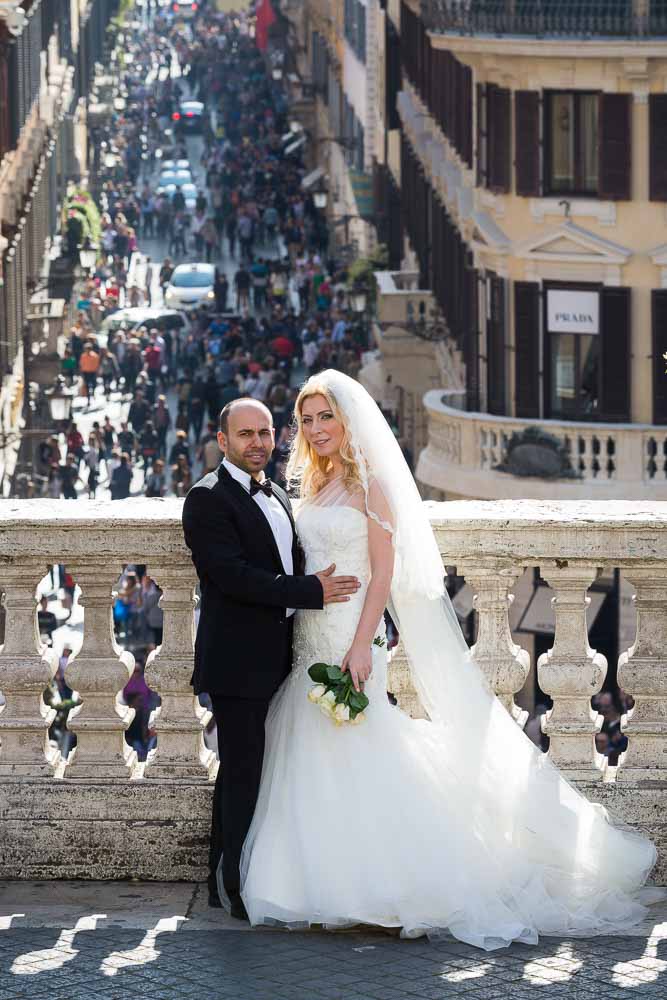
{"x":305,"y":468}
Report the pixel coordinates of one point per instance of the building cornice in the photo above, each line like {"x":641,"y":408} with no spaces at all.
{"x":549,"y":48}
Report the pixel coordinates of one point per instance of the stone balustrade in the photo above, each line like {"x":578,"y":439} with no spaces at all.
{"x":102,"y":814}
{"x":465,"y":451}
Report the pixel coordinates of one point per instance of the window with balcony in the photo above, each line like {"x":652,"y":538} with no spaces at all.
{"x":572,"y":132}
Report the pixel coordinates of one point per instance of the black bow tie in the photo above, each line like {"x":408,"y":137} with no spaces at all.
{"x":265,"y":487}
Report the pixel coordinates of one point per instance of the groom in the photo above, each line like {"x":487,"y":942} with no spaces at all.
{"x":239,"y":528}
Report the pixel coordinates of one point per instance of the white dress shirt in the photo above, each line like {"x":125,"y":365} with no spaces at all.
{"x":275,"y":514}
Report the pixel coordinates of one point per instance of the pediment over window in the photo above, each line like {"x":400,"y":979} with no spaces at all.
{"x":487,"y":233}
{"x":569,"y":242}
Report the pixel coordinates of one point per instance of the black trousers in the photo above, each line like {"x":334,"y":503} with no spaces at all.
{"x":240,"y":723}
{"x":241,"y":738}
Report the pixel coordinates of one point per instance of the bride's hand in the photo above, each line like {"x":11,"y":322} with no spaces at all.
{"x":358,"y":661}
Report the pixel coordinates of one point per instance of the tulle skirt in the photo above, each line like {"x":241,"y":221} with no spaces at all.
{"x":379,"y":824}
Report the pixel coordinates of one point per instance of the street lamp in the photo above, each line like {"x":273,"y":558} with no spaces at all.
{"x":88,"y":258}
{"x":358,"y":301}
{"x":320,"y":198}
{"x":60,"y":401}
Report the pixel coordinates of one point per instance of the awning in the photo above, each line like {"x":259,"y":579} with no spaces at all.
{"x":312,"y":178}
{"x":362,"y":188}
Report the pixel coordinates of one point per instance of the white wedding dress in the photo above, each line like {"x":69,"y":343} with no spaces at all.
{"x":404,"y":823}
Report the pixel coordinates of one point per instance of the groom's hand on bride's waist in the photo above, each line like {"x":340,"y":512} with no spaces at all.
{"x":337,"y":589}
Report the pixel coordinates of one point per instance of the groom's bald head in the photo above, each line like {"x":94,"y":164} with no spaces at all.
{"x":244,"y":401}
{"x":246,"y":434}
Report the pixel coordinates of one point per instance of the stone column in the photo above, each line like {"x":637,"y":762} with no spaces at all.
{"x":571,"y":673}
{"x":180,"y":751}
{"x":26,"y":667}
{"x":399,"y":682}
{"x":642,"y":672}
{"x":505,"y":664}
{"x":99,"y":672}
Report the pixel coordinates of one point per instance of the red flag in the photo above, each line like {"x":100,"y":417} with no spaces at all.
{"x":265,"y":18}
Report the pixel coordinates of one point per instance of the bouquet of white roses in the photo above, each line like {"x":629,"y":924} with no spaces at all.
{"x":335,"y":694}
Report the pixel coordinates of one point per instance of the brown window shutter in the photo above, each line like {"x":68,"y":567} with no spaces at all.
{"x":465,"y":103}
{"x":658,"y":147}
{"x":495,"y":348}
{"x":498,"y":117}
{"x":527,"y":142}
{"x":659,"y":304}
{"x":481,"y":138}
{"x":615,"y":146}
{"x":527,"y":348}
{"x":615,"y":354}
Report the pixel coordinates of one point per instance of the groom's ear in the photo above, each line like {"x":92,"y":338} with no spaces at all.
{"x":222,"y":441}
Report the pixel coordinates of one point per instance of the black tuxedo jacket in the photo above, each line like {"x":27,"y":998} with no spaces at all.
{"x":242,"y":648}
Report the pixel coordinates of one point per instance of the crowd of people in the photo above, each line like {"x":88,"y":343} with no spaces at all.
{"x":284,"y":313}
{"x":281,"y":308}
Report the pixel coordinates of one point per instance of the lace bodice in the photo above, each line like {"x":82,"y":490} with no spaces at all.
{"x":334,"y":534}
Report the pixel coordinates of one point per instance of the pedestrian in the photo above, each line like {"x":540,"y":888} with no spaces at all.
{"x":92,"y":461}
{"x":242,"y":284}
{"x":121,"y":478}
{"x":149,"y":275}
{"x":156,"y":482}
{"x":89,"y":364}
{"x":162,"y":422}
{"x":69,"y":476}
{"x":138,"y":413}
{"x":221,"y":291}
{"x":148,"y":444}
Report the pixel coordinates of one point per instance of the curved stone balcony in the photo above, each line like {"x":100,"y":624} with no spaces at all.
{"x":101,"y":814}
{"x":576,"y":19}
{"x":466,"y":454}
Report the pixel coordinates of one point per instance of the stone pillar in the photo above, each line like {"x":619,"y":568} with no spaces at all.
{"x":642,"y":672}
{"x":180,"y":751}
{"x":571,"y":673}
{"x":505,"y":664}
{"x":26,"y":667}
{"x":399,"y":682}
{"x":99,"y":672}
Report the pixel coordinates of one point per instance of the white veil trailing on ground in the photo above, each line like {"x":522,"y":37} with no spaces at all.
{"x":538,"y":820}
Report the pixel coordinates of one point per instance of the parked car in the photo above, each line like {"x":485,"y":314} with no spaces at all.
{"x":191,"y":286}
{"x":189,"y":192}
{"x":189,"y":117}
{"x":177,"y":177}
{"x":175,"y":165}
{"x":132,"y":319}
{"x":184,"y":9}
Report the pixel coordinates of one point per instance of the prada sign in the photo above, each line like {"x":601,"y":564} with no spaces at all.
{"x":573,"y":311}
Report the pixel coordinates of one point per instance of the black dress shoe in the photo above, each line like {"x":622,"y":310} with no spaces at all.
{"x":238,"y":910}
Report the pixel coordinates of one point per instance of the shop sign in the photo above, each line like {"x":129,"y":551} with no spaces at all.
{"x":573,"y":311}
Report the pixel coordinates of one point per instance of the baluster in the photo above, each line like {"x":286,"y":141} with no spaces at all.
{"x":571,"y":672}
{"x":399,"y":682}
{"x":99,"y":672}
{"x":181,"y":752}
{"x":642,"y":672}
{"x":26,"y":668}
{"x":505,"y":664}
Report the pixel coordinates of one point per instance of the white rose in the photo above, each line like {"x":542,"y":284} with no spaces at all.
{"x":358,"y":719}
{"x":341,"y":713}
{"x":329,"y":697}
{"x":325,"y":708}
{"x":316,"y":692}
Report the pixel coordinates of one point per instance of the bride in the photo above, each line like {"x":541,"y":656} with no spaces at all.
{"x":454,"y":824}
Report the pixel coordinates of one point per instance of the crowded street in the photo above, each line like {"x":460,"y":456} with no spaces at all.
{"x":213,"y":278}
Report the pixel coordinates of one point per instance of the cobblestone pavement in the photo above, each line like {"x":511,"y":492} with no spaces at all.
{"x":88,"y":941}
